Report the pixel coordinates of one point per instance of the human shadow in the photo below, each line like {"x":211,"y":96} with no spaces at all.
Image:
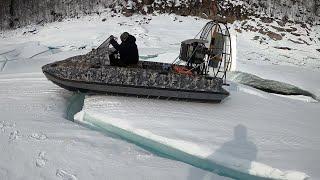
{"x":240,"y":147}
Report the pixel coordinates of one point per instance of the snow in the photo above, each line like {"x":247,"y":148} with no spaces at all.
{"x":264,"y":52}
{"x":38,"y":142}
{"x":195,"y":152}
{"x":268,"y":85}
{"x":198,"y":123}
{"x":301,"y":77}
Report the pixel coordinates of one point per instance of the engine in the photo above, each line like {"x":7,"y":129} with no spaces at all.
{"x":209,"y":53}
{"x":193,"y":51}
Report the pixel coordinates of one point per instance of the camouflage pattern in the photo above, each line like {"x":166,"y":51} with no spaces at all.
{"x":93,"y":67}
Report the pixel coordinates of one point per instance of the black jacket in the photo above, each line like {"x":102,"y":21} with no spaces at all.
{"x":128,"y":50}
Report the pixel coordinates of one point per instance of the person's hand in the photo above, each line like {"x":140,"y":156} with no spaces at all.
{"x":111,"y":37}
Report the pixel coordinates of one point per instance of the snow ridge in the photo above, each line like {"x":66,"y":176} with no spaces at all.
{"x":271,"y":86}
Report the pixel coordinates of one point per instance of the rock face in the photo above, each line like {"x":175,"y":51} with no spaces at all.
{"x":18,"y":13}
{"x":317,"y":7}
{"x":298,"y":10}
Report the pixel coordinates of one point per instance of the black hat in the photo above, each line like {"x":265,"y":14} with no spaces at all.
{"x":124,"y":36}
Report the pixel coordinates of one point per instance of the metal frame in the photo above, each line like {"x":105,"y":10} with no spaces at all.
{"x":225,"y":64}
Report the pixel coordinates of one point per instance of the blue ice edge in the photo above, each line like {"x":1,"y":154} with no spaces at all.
{"x":176,"y":154}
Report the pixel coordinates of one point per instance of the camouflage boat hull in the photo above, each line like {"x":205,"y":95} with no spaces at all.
{"x":88,"y":73}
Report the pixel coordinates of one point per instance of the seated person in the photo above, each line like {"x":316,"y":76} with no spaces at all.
{"x":128,"y":50}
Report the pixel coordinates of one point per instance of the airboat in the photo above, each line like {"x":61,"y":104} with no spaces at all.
{"x":198,"y":73}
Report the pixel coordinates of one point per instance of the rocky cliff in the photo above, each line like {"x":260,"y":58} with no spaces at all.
{"x":18,"y":13}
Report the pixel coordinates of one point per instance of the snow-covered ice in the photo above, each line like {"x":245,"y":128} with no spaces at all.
{"x":38,"y":142}
{"x":204,"y":132}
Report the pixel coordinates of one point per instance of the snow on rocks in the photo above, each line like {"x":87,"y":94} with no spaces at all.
{"x":298,"y":43}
